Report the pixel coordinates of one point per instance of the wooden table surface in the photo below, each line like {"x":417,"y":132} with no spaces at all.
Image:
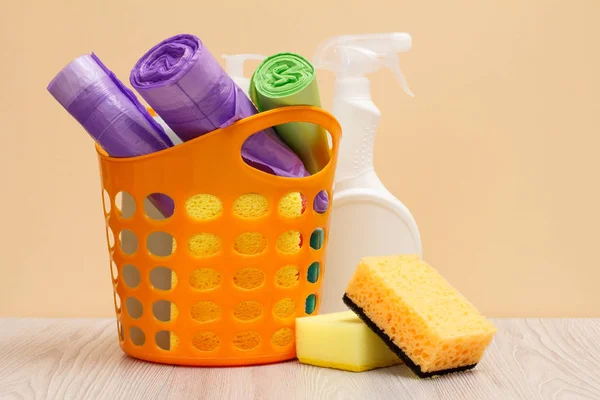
{"x":81,"y":359}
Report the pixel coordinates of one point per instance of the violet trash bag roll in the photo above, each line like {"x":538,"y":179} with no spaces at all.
{"x":110,"y":113}
{"x":188,"y":88}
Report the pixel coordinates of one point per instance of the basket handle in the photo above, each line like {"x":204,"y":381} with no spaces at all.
{"x":246,"y":127}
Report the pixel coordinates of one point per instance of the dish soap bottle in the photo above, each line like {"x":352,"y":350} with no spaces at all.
{"x":234,"y":66}
{"x":366,"y":219}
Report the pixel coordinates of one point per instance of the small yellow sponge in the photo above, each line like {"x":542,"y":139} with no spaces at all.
{"x":424,"y":320}
{"x":342,"y":341}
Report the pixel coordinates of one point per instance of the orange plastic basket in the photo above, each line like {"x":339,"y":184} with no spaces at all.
{"x":226,"y":308}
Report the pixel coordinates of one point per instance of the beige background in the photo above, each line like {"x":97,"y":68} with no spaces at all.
{"x":497,"y":156}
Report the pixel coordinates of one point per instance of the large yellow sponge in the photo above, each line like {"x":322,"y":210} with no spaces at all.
{"x":342,"y":341}
{"x":420,"y":316}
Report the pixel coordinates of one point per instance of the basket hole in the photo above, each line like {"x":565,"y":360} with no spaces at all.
{"x":261,"y":147}
{"x":248,"y":310}
{"x":131,"y":276}
{"x":117,"y":302}
{"x":313,"y":272}
{"x":250,"y":243}
{"x":165,"y":311}
{"x":120,"y":332}
{"x":114,"y":271}
{"x":317,"y":238}
{"x":166,"y":340}
{"x":289,"y":242}
{"x":159,"y":206}
{"x":205,"y":279}
{"x":285,"y":308}
{"x":110,"y":237}
{"x":162,"y":278}
{"x":251,"y":206}
{"x":321,"y":202}
{"x":161,"y":244}
{"x":204,"y":245}
{"x":128,"y":241}
{"x":203,"y":206}
{"x":282,"y":337}
{"x":249,"y":278}
{"x":292,"y":205}
{"x":246,"y":340}
{"x":106,"y":202}
{"x":287,"y":276}
{"x":311,"y":304}
{"x":125,"y":203}
{"x":173,"y":341}
{"x":205,"y":311}
{"x":205,"y":341}
{"x":137,"y":336}
{"x":135,"y":309}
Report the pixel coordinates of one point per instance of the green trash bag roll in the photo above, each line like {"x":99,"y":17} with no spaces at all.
{"x":288,"y":79}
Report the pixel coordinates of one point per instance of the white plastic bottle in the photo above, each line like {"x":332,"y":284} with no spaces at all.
{"x":366,"y":219}
{"x":234,"y":66}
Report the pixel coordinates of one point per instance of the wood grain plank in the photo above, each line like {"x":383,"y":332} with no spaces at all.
{"x":80,"y":359}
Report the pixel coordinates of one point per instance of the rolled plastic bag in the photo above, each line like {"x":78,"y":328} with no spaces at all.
{"x":110,"y":113}
{"x":288,"y":79}
{"x":184,"y":84}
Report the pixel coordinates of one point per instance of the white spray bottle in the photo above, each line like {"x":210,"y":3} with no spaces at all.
{"x":366,"y":219}
{"x":234,"y":66}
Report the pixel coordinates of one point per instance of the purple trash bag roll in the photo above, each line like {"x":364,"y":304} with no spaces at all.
{"x":110,"y":113}
{"x":189,"y":89}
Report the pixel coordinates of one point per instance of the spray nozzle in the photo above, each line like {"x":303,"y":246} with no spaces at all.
{"x":358,"y":55}
{"x":234,"y":63}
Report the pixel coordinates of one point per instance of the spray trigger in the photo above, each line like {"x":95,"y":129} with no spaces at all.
{"x":359,"y":55}
{"x":393,"y":64}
